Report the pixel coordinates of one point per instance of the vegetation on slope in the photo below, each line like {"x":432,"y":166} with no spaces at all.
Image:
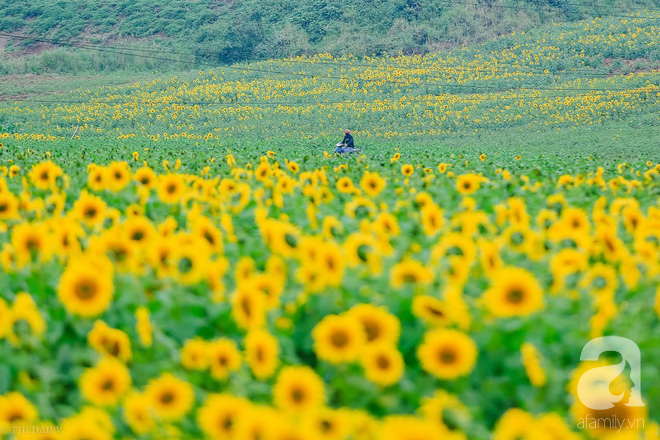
{"x":222,"y":32}
{"x":553,"y":78}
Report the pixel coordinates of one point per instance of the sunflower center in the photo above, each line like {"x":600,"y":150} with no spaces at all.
{"x":3,"y":207}
{"x":227,"y":423}
{"x":112,"y":347}
{"x":372,"y":330}
{"x":85,"y":290}
{"x":435,"y":311}
{"x":326,"y":426}
{"x":339,"y":339}
{"x":167,"y":398}
{"x":208,"y":237}
{"x":330,"y":263}
{"x":298,"y":395}
{"x":383,"y":362}
{"x":108,"y":385}
{"x":409,"y":277}
{"x":447,"y":356}
{"x":515,"y":296}
{"x":32,"y":244}
{"x":247,"y":307}
{"x":14,"y":416}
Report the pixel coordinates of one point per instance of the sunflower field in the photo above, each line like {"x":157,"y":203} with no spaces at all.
{"x":184,"y":258}
{"x":260,"y":297}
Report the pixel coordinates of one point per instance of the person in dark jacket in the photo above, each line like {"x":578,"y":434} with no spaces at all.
{"x":347,"y":145}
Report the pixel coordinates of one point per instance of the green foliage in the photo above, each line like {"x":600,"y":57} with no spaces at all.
{"x":242,"y":30}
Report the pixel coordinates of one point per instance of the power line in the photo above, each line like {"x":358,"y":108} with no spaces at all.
{"x":207,"y":53}
{"x":448,"y":85}
{"x":91,"y":46}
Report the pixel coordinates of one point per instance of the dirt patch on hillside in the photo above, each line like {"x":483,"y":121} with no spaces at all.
{"x":636,"y":65}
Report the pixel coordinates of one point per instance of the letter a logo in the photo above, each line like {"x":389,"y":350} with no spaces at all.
{"x":593,"y":388}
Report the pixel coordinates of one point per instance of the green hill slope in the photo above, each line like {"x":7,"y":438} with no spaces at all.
{"x":227,"y":31}
{"x":561,"y":77}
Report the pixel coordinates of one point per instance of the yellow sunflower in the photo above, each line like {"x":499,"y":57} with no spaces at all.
{"x":382,"y":364}
{"x":378,"y":324}
{"x":31,"y":243}
{"x":514,"y":292}
{"x":44,"y":175}
{"x":262,"y":353}
{"x":431,"y":310}
{"x":256,"y":423}
{"x":531,"y":360}
{"x":407,"y":170}
{"x":447,"y":354}
{"x":220,"y":413}
{"x":467,"y":184}
{"x":409,"y":272}
{"x":89,"y":209}
{"x":372,"y":183}
{"x":345,"y":185}
{"x":118,"y":176}
{"x":16,"y":410}
{"x":410,"y":428}
{"x":447,"y":411}
{"x":108,"y":341}
{"x":137,"y":414}
{"x":170,"y":397}
{"x":8,"y":206}
{"x":298,"y":389}
{"x":105,"y":383}
{"x":224,"y":358}
{"x":146,"y":177}
{"x":84,"y":291}
{"x":338,"y":339}
{"x":327,"y":424}
{"x":248,"y":308}
{"x":97,"y":180}
{"x":194,"y":354}
{"x":171,"y":188}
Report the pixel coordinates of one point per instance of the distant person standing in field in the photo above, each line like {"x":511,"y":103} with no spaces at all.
{"x":347,"y":145}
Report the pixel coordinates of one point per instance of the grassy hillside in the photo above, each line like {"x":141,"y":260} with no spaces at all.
{"x":222,"y":32}
{"x":558,"y":78}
